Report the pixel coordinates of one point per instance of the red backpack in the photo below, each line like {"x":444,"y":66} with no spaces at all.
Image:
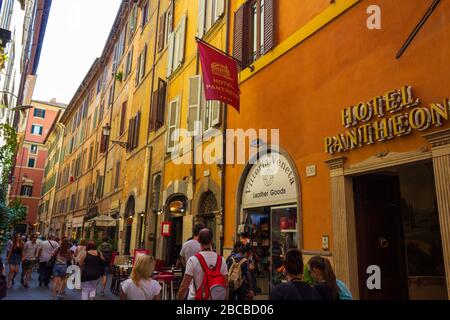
{"x":213,"y":286}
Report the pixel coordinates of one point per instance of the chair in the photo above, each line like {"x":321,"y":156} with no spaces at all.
{"x":166,"y":279}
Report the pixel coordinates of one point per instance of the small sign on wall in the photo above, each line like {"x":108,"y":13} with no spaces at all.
{"x":166,"y":229}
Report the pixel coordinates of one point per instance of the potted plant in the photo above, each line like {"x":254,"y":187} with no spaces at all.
{"x":119,"y":76}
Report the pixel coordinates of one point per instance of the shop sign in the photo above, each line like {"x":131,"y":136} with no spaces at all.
{"x":166,"y":229}
{"x":271,"y":181}
{"x":396,"y":114}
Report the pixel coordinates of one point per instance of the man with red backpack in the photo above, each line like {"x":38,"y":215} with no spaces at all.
{"x":206,"y":275}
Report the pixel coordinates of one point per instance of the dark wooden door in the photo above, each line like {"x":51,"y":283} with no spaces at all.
{"x":175,"y":241}
{"x":380,"y":235}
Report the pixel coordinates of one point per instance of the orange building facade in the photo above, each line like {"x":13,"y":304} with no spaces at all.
{"x":362,"y":168}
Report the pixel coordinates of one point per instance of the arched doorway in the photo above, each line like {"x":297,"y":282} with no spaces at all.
{"x":269,"y":215}
{"x":176,"y":208}
{"x":128,"y":224}
{"x":209,"y":215}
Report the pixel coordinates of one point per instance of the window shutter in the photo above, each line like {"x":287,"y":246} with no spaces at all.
{"x":136,"y":130}
{"x":195,"y":83}
{"x":138,"y":71}
{"x":153,"y":111}
{"x":182,"y":38}
{"x":215,"y":113}
{"x":122,"y":118}
{"x":173,"y":117}
{"x":170,"y":57}
{"x":171,"y":16}
{"x":143,"y":64}
{"x":130,"y":134}
{"x":162,"y":21}
{"x":201,"y":18}
{"x":207,"y":120}
{"x":268,"y":25}
{"x":220,"y":9}
{"x":161,"y":103}
{"x":239,"y":39}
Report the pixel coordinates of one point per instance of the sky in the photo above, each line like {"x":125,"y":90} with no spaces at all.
{"x":75,"y":36}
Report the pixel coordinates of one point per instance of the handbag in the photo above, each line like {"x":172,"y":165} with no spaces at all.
{"x":52,"y":261}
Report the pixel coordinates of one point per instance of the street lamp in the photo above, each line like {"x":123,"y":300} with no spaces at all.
{"x":107,"y":133}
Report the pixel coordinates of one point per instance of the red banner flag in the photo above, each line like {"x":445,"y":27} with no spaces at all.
{"x":220,"y":76}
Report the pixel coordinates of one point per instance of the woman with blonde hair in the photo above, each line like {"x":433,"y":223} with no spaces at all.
{"x":141,"y":286}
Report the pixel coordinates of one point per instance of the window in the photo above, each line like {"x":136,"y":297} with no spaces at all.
{"x":33,"y":149}
{"x":129,"y":63}
{"x":209,"y":12}
{"x":123,"y":117}
{"x":36,"y":130}
{"x":133,"y":132}
{"x":140,"y":70}
{"x":173,"y":123}
{"x":117,"y":177}
{"x":177,"y":41}
{"x":26,"y":191}
{"x":101,"y":111}
{"x":39,"y":113}
{"x":99,"y":86}
{"x":133,"y":22}
{"x":91,"y":150}
{"x":158,"y":106}
{"x":165,"y":26}
{"x":122,"y":44}
{"x":208,"y":112}
{"x":144,"y":15}
{"x":253,"y":30}
{"x":31,"y":162}
{"x":111,"y":95}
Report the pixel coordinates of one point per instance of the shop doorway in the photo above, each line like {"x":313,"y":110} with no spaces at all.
{"x":397,"y":228}
{"x":272,"y":232}
{"x":175,"y":241}
{"x":129,"y":217}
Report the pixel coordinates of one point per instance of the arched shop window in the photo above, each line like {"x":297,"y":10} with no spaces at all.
{"x":208,"y":204}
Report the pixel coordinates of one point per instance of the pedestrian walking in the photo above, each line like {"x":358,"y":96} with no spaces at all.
{"x":61,"y":256}
{"x":191,"y":247}
{"x":239,"y":275}
{"x":80,"y":251}
{"x":45,"y":253}
{"x":141,"y":285}
{"x":90,"y":263}
{"x":106,"y":249}
{"x":14,"y":259}
{"x":295,"y":288}
{"x":29,"y":259}
{"x":206,"y":276}
{"x":324,"y":277}
{"x":9,"y":245}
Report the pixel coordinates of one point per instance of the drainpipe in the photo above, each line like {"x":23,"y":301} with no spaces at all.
{"x":224,"y":139}
{"x":149,"y":185}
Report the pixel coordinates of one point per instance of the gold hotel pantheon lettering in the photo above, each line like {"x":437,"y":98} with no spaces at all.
{"x":395,"y":114}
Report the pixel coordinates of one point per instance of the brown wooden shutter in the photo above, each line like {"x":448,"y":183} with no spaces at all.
{"x":153,"y":111}
{"x":172,"y":16}
{"x":130,"y":133}
{"x":269,"y":25}
{"x":122,"y":117}
{"x":136,"y":130}
{"x":103,"y":144}
{"x":239,"y":38}
{"x":161,"y":103}
{"x":162,"y":22}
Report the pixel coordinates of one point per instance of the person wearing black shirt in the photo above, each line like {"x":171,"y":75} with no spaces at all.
{"x":295,"y":288}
